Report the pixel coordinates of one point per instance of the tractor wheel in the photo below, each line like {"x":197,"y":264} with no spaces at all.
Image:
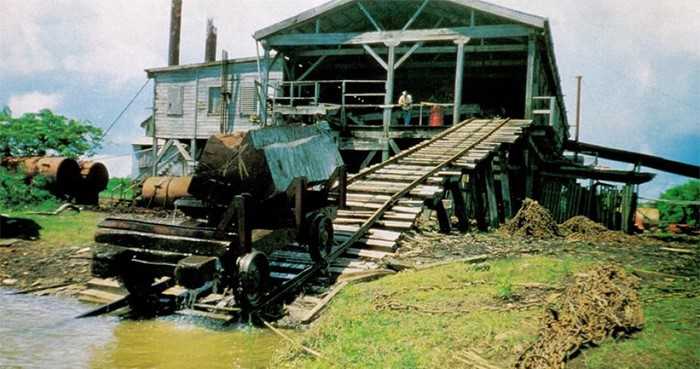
{"x":253,"y":279}
{"x":320,"y":238}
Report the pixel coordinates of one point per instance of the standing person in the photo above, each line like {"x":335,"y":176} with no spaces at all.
{"x":405,"y":101}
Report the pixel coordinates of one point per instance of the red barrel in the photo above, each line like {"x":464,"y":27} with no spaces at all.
{"x":437,"y":116}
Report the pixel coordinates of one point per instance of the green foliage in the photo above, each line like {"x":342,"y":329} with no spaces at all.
{"x":673,"y":213}
{"x":119,"y":188}
{"x":16,"y":194}
{"x":37,"y":134}
{"x":504,"y":289}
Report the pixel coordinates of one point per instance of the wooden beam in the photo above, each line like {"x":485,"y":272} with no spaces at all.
{"x":312,"y":68}
{"x":408,"y":54}
{"x":265,"y":84}
{"x":459,"y":80}
{"x":505,"y":185}
{"x":389,"y":95}
{"x":370,"y":17}
{"x":438,"y":34}
{"x":368,"y":160}
{"x":655,"y":162}
{"x":394,"y":147}
{"x":530,"y":77}
{"x":415,"y":15}
{"x":491,"y":196}
{"x":376,"y":57}
{"x":422,"y":50}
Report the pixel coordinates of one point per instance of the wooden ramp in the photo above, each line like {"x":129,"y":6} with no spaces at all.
{"x":386,"y":199}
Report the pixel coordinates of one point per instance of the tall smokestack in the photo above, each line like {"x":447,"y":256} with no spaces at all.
{"x":175,"y":24}
{"x":210,"y":46}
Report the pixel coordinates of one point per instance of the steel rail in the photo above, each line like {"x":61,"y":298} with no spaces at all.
{"x":307,"y":273}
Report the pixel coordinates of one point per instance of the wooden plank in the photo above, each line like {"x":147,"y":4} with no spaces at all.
{"x":530,"y":76}
{"x":370,"y":254}
{"x":376,"y":57}
{"x":379,"y":234}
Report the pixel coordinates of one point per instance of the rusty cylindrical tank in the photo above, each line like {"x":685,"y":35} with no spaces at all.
{"x":95,"y":176}
{"x":164,"y":191}
{"x":62,"y":174}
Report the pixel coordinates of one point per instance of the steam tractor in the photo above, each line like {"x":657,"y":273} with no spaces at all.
{"x":251,"y":193}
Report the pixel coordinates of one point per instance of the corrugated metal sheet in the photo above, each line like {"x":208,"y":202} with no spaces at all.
{"x":315,"y":158}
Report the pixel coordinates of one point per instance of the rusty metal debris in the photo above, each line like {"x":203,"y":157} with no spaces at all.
{"x":602,"y":303}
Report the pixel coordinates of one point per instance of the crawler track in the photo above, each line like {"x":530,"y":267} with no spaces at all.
{"x":385,"y":200}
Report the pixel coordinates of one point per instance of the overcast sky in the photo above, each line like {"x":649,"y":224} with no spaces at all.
{"x":85,"y":59}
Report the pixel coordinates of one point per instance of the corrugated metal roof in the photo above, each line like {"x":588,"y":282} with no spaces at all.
{"x":497,"y":10}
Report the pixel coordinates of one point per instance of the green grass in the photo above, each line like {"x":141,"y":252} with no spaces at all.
{"x":353,"y":333}
{"x":119,"y":188}
{"x":68,"y":229}
{"x":670,"y":340}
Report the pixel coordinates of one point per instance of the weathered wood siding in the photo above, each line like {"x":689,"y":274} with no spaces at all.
{"x":195,"y":84}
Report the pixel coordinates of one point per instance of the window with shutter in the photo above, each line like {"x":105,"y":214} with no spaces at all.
{"x":214,"y":100}
{"x":248,"y":98}
{"x":175,"y":97}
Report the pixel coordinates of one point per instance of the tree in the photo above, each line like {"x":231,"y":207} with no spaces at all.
{"x":46,"y":133}
{"x":678,"y":207}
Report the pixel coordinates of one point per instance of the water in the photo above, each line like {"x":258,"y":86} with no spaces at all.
{"x":40,"y":332}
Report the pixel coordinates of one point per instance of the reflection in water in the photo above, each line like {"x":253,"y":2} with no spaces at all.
{"x":40,"y":332}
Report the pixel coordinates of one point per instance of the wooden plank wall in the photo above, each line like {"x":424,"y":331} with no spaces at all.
{"x":195,"y":83}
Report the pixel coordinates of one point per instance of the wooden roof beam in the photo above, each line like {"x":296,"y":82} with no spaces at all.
{"x":415,"y":15}
{"x":370,"y":17}
{"x":425,"y":35}
{"x":422,"y":50}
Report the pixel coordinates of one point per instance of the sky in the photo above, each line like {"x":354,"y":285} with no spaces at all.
{"x":85,"y":59}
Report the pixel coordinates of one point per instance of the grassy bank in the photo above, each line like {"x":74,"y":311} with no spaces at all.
{"x":425,"y":319}
{"x":68,"y":229}
{"x":59,"y":255}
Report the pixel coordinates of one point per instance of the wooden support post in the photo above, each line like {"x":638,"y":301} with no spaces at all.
{"x":299,"y":191}
{"x":459,"y":204}
{"x":476,"y":180}
{"x":389,"y":96}
{"x":343,"y":188}
{"x":530,"y":77}
{"x":265,"y":85}
{"x":442,"y":215}
{"x":459,"y":81}
{"x":505,"y":186}
{"x":343,"y":110}
{"x":528,"y":172}
{"x":626,"y":209}
{"x":491,"y":200}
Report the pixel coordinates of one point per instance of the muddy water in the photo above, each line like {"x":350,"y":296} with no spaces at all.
{"x":39,"y":332}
